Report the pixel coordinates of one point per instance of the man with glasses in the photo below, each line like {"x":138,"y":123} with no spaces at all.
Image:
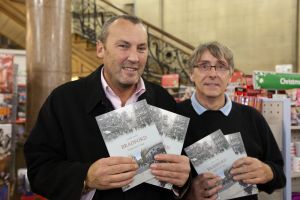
{"x":210,"y":109}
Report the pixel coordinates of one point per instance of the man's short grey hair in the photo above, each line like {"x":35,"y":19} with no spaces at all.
{"x":104,"y":31}
{"x":216,"y":49}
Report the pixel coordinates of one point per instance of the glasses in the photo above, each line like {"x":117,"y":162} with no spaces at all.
{"x":219,"y":67}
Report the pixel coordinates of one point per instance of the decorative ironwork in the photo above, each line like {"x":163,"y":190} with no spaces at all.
{"x":165,"y":54}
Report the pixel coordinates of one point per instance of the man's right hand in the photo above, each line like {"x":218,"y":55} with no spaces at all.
{"x":111,"y":172}
{"x":204,"y":186}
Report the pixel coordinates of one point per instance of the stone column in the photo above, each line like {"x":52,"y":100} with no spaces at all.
{"x":48,"y":46}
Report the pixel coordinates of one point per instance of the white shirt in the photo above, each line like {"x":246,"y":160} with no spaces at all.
{"x":116,"y":102}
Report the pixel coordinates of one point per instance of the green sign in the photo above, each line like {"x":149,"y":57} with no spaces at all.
{"x":275,"y":81}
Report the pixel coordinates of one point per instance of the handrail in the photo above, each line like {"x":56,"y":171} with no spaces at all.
{"x":167,"y":54}
{"x":183,"y":43}
{"x":12,"y":11}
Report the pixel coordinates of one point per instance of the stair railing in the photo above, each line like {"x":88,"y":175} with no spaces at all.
{"x":167,"y":54}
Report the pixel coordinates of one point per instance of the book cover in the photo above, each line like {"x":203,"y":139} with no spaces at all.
{"x":6,"y":106}
{"x":130,"y":131}
{"x":5,"y":139}
{"x":6,"y":73}
{"x":23,"y":182}
{"x":236,"y":142}
{"x":214,"y":154}
{"x":172,"y":128}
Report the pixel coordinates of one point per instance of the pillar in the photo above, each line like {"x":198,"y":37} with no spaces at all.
{"x":48,"y":49}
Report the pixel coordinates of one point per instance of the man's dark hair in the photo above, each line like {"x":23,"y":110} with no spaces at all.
{"x":104,"y":31}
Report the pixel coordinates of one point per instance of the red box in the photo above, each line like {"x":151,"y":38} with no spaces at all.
{"x":170,"y":81}
{"x":32,"y":197}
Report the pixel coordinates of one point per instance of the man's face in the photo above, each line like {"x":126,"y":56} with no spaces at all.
{"x":211,"y":83}
{"x":124,"y":53}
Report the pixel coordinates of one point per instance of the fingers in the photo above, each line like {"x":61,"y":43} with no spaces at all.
{"x":172,"y":158}
{"x":120,"y":168}
{"x":242,"y":161}
{"x":119,"y":177}
{"x":245,"y":165}
{"x":251,"y":170}
{"x":117,"y":180}
{"x":210,"y":181}
{"x":117,"y":160}
{"x":206,"y":175}
{"x":175,"y":178}
{"x":245,"y":177}
{"x":240,"y":170}
{"x":115,"y":165}
{"x":110,"y":185}
{"x":112,"y":172}
{"x":172,"y":163}
{"x":243,"y":169}
{"x":212,"y":193}
{"x":205,"y":186}
{"x":174,"y":169}
{"x":170,"y":167}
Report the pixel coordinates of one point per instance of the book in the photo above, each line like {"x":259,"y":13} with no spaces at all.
{"x":130,"y":131}
{"x":172,"y":128}
{"x":23,"y":182}
{"x":236,"y":142}
{"x":6,"y":73}
{"x":5,"y":139}
{"x":6,"y":107}
{"x":214,"y":154}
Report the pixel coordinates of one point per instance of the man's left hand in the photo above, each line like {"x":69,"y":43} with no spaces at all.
{"x":174,"y":169}
{"x":251,"y":170}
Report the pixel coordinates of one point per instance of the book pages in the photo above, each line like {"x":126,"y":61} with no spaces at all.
{"x":130,"y":131}
{"x":172,"y":128}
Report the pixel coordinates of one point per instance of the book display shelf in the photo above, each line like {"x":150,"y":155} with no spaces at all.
{"x":12,"y":118}
{"x":8,"y":113}
{"x":295,"y":176}
{"x":277,"y":113}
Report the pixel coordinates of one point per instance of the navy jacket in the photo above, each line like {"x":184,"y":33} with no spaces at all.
{"x":66,"y":140}
{"x":257,"y":136}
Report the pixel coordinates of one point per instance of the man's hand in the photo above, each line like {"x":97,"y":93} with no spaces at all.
{"x":174,"y":169}
{"x":251,"y":170}
{"x":111,"y":172}
{"x":204,"y":187}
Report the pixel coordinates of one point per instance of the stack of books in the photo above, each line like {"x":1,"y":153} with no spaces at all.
{"x":141,"y":131}
{"x":216,"y":153}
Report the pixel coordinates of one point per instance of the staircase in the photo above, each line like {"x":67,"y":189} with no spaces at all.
{"x":84,"y":59}
{"x":167,"y":54}
{"x":13,"y":27}
{"x":13,"y":21}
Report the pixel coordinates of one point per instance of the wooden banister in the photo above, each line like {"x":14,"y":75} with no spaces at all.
{"x":181,"y":42}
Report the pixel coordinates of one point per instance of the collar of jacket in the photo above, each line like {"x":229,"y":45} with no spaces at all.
{"x":95,"y":94}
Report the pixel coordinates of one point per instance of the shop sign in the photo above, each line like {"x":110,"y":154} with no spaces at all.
{"x":275,"y":81}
